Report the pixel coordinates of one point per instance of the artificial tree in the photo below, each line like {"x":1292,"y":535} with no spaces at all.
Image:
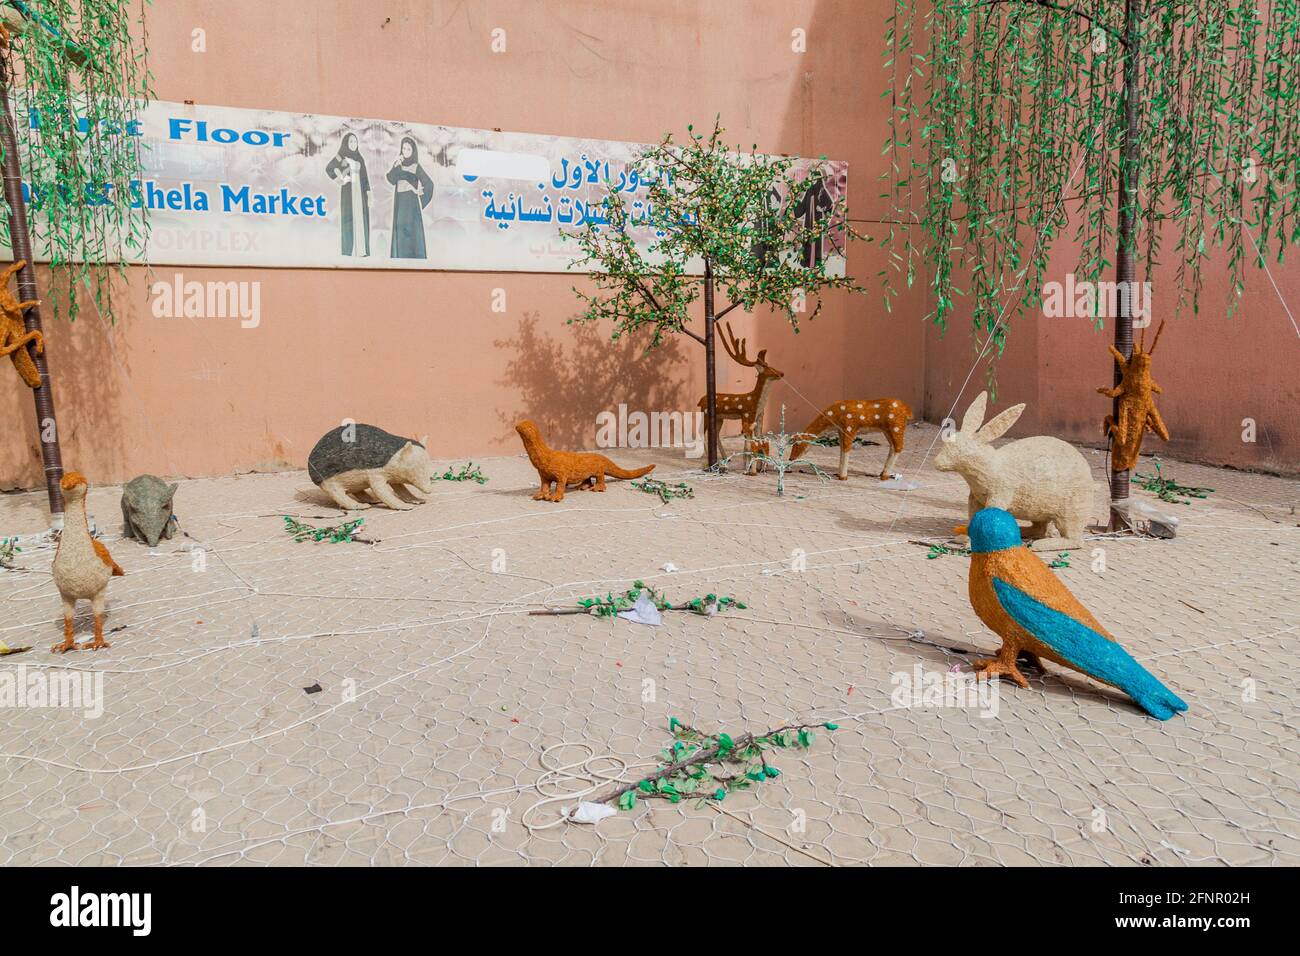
{"x":744,"y":224}
{"x":1183,"y":115}
{"x":75,"y":71}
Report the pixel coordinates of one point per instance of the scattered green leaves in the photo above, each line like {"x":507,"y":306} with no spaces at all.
{"x":939,"y":550}
{"x":1166,"y":489}
{"x":611,"y":604}
{"x":710,"y":604}
{"x":832,"y":440}
{"x":708,"y":767}
{"x":336,"y":534}
{"x":467,"y":472}
{"x":665,"y":491}
{"x":8,"y":548}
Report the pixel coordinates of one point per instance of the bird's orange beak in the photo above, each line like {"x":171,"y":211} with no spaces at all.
{"x":960,"y":529}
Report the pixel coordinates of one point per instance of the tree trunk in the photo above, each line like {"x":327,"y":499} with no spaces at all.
{"x":1127,"y":227}
{"x":710,"y":367}
{"x":21,"y":242}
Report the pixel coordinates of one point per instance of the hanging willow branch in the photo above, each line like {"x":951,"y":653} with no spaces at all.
{"x":1002,"y":109}
{"x":79,"y":83}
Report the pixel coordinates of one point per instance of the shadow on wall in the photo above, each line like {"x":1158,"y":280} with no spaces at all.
{"x":94,"y":373}
{"x":86,"y":376}
{"x":564,"y":381}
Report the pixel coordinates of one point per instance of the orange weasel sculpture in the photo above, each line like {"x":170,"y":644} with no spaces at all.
{"x":13,"y":334}
{"x":849,"y":416}
{"x":82,"y":566}
{"x":560,"y":468}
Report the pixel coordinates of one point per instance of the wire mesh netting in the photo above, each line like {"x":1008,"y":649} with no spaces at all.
{"x":442,"y":702}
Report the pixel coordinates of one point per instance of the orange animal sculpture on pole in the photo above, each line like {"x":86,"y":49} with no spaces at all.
{"x":747,"y":407}
{"x":14,"y":336}
{"x":1137,"y":406}
{"x":849,"y":416}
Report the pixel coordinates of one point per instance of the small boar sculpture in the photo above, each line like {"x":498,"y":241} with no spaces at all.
{"x":147,"y":509}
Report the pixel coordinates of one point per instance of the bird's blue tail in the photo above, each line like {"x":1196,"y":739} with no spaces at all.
{"x":1090,"y":652}
{"x":1151,"y":695}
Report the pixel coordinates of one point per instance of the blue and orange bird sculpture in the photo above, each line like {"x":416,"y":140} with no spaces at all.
{"x":1021,"y":600}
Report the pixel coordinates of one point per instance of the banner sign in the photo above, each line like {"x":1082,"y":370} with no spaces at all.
{"x":239,"y":187}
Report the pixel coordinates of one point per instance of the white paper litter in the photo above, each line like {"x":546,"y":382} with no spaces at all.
{"x":586,"y":812}
{"x":643,"y":611}
{"x":898,"y":482}
{"x":1152,"y":513}
{"x":1159,"y":524}
{"x":668,"y":566}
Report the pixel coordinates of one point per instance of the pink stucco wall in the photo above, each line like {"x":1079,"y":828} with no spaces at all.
{"x":1219,"y":374}
{"x":423,"y":352}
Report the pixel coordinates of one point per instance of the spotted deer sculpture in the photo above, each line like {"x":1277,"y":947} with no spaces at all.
{"x":747,"y":407}
{"x":847,"y":417}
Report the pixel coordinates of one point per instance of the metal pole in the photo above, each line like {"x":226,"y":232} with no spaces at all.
{"x":1125,"y":260}
{"x":710,"y":371}
{"x":21,"y":243}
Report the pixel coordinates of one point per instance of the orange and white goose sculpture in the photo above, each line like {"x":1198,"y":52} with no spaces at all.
{"x":82,"y":566}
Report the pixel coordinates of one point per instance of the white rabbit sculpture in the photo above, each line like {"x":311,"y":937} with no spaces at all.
{"x":1042,"y":480}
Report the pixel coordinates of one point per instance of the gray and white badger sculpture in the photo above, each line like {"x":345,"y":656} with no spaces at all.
{"x":1042,"y":480}
{"x":354,"y":458}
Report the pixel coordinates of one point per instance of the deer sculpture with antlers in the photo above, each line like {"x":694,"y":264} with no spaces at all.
{"x":747,"y":407}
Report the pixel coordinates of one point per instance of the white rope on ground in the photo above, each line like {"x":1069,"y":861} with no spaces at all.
{"x":591,"y":769}
{"x":583,"y":770}
{"x":580,"y":771}
{"x":267,"y":734}
{"x":517,"y":606}
{"x":769,"y":834}
{"x":35,"y":589}
{"x":520,"y":605}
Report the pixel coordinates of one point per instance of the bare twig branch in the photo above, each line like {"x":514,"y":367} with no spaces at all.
{"x":1060,"y":9}
{"x":712,"y":754}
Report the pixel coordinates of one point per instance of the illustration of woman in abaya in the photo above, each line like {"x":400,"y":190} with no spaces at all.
{"x":348,"y":170}
{"x":412,"y":191}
